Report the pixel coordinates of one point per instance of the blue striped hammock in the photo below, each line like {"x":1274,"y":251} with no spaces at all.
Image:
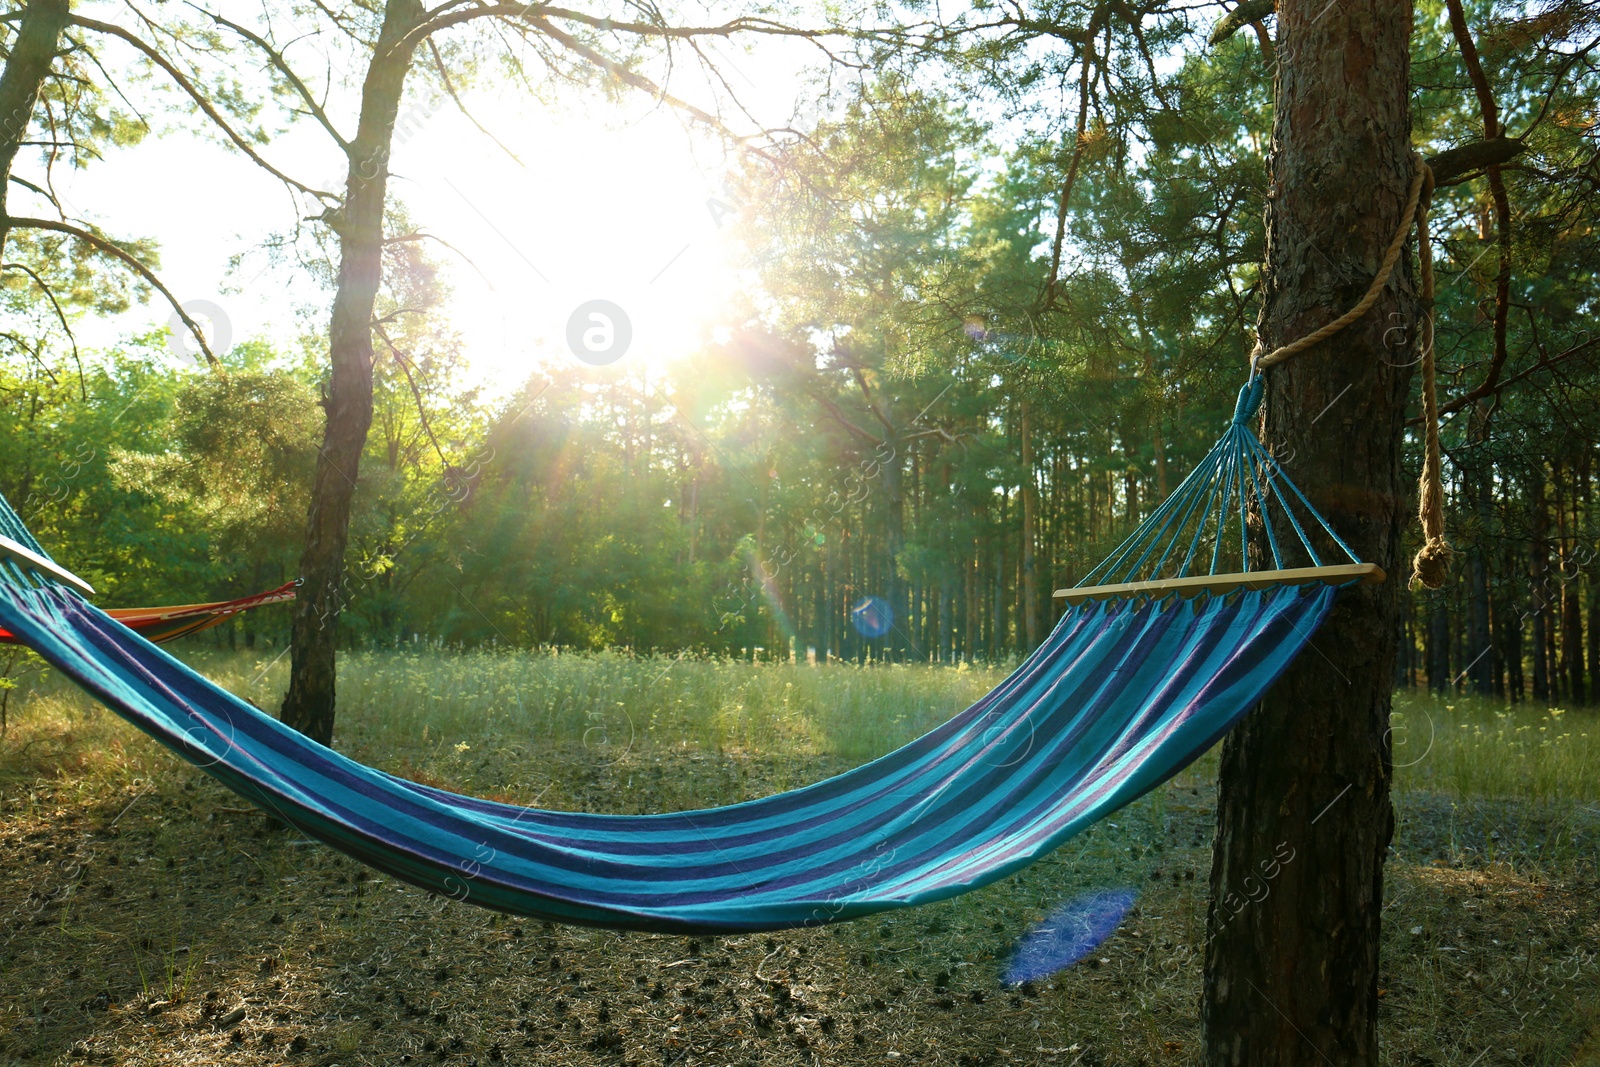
{"x":1123,"y":694}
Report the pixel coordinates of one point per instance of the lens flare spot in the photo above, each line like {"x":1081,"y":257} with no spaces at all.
{"x":1069,"y":934}
{"x":872,"y":617}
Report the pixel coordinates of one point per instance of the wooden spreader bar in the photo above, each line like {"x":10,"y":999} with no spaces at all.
{"x":31,"y":560}
{"x":1369,"y":573}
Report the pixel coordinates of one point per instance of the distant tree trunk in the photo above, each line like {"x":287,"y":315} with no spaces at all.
{"x":1438,"y":645}
{"x":1480,"y":658}
{"x":33,"y":52}
{"x":1511,"y":636}
{"x":1591,"y":572}
{"x":1552,"y":658}
{"x":1304,"y":780}
{"x":944,"y":621}
{"x":1497,"y":635}
{"x":895,"y":643}
{"x":997,"y":607}
{"x":826,"y":643}
{"x":309,"y":704}
{"x":1404,"y":652}
{"x":694,"y":513}
{"x":1538,"y":566}
{"x":1572,"y":582}
{"x":1030,"y":526}
{"x":1569,"y":665}
{"x":1594,"y":638}
{"x":1572,"y":638}
{"x":1458,"y":649}
{"x":1516,"y":680}
{"x":1158,"y":446}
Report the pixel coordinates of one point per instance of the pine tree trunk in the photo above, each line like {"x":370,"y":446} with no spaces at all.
{"x":969,"y":643}
{"x":309,"y":704}
{"x":1030,"y":524}
{"x":1458,"y":657}
{"x":1572,"y":638}
{"x":1538,"y":568}
{"x":1480,"y":657}
{"x":1496,"y":626}
{"x":1438,"y":645}
{"x":1304,"y":801}
{"x":997,"y":608}
{"x":1551,"y":659}
{"x":896,"y":645}
{"x":944,"y":621}
{"x":1516,"y":681}
{"x":1594,"y":636}
{"x":33,"y":52}
{"x":828,"y":645}
{"x":1590,"y":576}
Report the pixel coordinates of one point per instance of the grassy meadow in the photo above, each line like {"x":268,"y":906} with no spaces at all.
{"x":148,"y":916}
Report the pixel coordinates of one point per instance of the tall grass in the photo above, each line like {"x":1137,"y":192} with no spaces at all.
{"x":409,"y":710}
{"x":1475,"y":747}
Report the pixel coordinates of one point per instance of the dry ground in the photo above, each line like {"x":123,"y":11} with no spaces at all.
{"x":151,"y":918}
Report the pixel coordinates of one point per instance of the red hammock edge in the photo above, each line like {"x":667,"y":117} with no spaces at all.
{"x":161,"y":624}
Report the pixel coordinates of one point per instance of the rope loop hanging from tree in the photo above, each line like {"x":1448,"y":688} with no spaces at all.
{"x":1433,"y":558}
{"x":1432,"y":561}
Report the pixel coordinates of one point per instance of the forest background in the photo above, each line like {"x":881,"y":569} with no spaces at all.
{"x":997,"y":287}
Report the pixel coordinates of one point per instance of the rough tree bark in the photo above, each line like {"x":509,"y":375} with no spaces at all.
{"x":309,"y":704}
{"x":1303,"y":819}
{"x":32,"y":53}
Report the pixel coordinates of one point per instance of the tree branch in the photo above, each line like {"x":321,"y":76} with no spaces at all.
{"x":639,"y":81}
{"x":537,"y":13}
{"x":1240,"y":17}
{"x":872,"y":405}
{"x":275,"y":57}
{"x":112,"y":249}
{"x":419,"y":235}
{"x":1048,"y":296}
{"x":36,"y":189}
{"x":198,"y":97}
{"x":83,"y":391}
{"x":1465,"y":162}
{"x":28,"y":60}
{"x":404,"y":362}
{"x":449,"y":87}
{"x":33,"y":354}
{"x":1487,"y":389}
{"x":833,"y":411}
{"x":1497,"y":188}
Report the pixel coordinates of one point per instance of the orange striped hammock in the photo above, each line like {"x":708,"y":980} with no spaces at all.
{"x":176,"y":620}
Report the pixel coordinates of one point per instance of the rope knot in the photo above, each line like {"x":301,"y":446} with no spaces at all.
{"x":1431,"y":566}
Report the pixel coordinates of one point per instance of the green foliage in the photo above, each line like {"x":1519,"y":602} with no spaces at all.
{"x":860,"y":431}
{"x":239,"y":461}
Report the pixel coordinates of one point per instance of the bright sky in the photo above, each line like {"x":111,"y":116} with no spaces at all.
{"x":610,"y":205}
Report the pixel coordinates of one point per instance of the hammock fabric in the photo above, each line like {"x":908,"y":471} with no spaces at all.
{"x":1121,"y":696}
{"x":163,"y":624}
